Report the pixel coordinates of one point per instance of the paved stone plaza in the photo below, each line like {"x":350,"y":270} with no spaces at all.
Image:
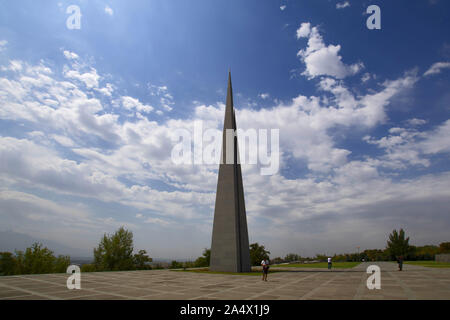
{"x":296,"y":283}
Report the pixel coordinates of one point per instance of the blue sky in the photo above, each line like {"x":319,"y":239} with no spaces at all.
{"x":87,"y":119}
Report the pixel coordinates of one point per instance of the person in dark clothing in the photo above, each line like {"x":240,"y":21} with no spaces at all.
{"x":400,"y":263}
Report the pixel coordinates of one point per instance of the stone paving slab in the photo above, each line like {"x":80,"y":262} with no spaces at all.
{"x":414,"y":282}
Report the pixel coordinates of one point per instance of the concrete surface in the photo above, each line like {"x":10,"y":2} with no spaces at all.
{"x":413,"y":282}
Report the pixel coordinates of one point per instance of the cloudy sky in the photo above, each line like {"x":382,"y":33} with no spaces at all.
{"x":87,"y":120}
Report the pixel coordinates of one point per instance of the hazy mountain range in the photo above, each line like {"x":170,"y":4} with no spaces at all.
{"x":11,"y":241}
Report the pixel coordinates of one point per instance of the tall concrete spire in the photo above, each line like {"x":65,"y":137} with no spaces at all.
{"x":230,"y":247}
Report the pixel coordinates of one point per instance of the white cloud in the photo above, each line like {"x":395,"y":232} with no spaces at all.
{"x":34,"y":95}
{"x":70,"y":55}
{"x":40,"y":167}
{"x":109,"y":11}
{"x":90,"y":79}
{"x":409,"y":147}
{"x":130,"y":103}
{"x":416,"y":122}
{"x":65,"y":222}
{"x":342,"y":5}
{"x":436,"y":141}
{"x":165,"y":98}
{"x":64,"y":141}
{"x":107,"y":90}
{"x":74,"y":215}
{"x":304,"y":30}
{"x":366,"y":77}
{"x":321,"y":59}
{"x":157,"y":90}
{"x":313,"y":117}
{"x":263,"y":95}
{"x":282,"y":7}
{"x":167,"y":107}
{"x":14,"y":65}
{"x":310,"y":118}
{"x":437,"y":68}
{"x":157,"y":221}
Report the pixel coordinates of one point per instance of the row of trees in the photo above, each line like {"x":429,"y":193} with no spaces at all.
{"x":411,"y":253}
{"x":115,"y":253}
{"x":35,"y":260}
{"x":397,"y":245}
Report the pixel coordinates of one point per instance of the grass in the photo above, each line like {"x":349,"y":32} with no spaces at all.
{"x":206,"y":270}
{"x":335,"y":265}
{"x":430,"y":263}
{"x":257,"y":272}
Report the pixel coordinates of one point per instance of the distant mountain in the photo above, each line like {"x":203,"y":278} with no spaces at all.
{"x":11,"y":241}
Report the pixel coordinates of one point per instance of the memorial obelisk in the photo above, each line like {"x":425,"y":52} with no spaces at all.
{"x":230,"y":247}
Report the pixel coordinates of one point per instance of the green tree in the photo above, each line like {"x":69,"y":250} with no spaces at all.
{"x":444,"y":247}
{"x":189,"y":264}
{"x":426,"y":252}
{"x":115,"y":252}
{"x":277,"y":260}
{"x":257,"y":254}
{"x":204,"y":260}
{"x":321,"y":257}
{"x":36,"y":260}
{"x":398,"y":244}
{"x":8,"y":264}
{"x":88,"y":267}
{"x":61,"y":264}
{"x":374,"y":254}
{"x":292,"y":257}
{"x":175,"y":265}
{"x":340,"y":257}
{"x":141,"y":260}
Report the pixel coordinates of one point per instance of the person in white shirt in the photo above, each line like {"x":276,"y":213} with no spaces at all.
{"x":329,"y":263}
{"x":265,"y":265}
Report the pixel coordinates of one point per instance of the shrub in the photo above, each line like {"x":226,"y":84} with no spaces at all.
{"x":89,"y":267}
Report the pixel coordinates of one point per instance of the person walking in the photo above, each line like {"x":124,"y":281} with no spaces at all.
{"x":265,"y":268}
{"x":329,"y":263}
{"x":400,"y":263}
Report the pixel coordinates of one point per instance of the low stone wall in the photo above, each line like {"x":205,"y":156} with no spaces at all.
{"x":443,"y":257}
